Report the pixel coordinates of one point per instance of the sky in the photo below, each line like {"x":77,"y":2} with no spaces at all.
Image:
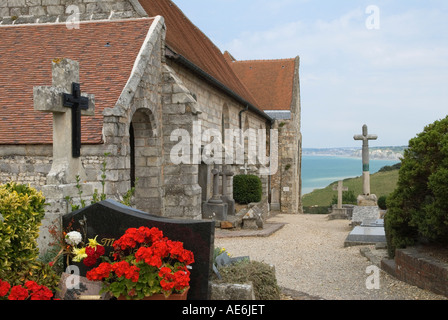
{"x":379,"y":62}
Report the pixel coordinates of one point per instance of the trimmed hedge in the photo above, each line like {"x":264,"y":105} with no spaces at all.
{"x":247,"y":189}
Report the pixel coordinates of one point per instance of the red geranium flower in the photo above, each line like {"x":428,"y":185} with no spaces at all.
{"x":18,"y":293}
{"x":4,"y":288}
{"x":99,"y":273}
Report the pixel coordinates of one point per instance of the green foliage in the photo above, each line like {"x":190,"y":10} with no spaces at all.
{"x":382,"y":202}
{"x":348,"y":197}
{"x":247,"y":189}
{"x":396,"y":166}
{"x":98,"y":197}
{"x":260,"y":274}
{"x":418,"y":207}
{"x":22,"y":209}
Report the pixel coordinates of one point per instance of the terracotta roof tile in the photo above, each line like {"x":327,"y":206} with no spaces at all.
{"x":270,"y":81}
{"x":26,"y":52}
{"x":190,"y":42}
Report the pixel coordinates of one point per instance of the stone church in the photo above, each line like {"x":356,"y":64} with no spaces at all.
{"x":151,"y":77}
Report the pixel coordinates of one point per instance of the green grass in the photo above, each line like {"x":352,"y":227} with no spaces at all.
{"x":381,"y":184}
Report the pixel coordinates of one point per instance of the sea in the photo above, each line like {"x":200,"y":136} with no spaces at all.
{"x":320,"y":171}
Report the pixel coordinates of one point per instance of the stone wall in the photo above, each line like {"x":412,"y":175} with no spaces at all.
{"x":286,"y":185}
{"x":419,"y":269}
{"x":180,"y":112}
{"x":214,"y":105}
{"x":43,"y":11}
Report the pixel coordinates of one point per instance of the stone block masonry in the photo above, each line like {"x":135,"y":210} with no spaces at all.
{"x":32,"y":11}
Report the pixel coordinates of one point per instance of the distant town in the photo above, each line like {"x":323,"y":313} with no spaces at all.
{"x":376,"y":153}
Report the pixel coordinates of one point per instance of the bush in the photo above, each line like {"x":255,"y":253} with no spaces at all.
{"x":418,"y":207}
{"x":260,"y":274}
{"x":396,"y":166}
{"x":247,"y":189}
{"x":382,"y":202}
{"x":22,"y":210}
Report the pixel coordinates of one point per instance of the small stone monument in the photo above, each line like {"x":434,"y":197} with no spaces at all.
{"x":340,"y":188}
{"x":366,"y":199}
{"x":226,"y":198}
{"x":339,"y":212}
{"x":215,"y":208}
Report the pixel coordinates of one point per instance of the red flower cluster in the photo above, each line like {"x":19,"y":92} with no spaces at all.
{"x":31,"y":290}
{"x":123,"y":268}
{"x":162,"y":249}
{"x":147,"y":247}
{"x":134,"y":236}
{"x":100,"y":273}
{"x":174,"y":280}
{"x":93,"y":254}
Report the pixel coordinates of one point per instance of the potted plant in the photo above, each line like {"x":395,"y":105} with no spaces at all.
{"x":146,"y":265}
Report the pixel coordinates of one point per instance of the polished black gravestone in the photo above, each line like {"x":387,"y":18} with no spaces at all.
{"x":108,"y":220}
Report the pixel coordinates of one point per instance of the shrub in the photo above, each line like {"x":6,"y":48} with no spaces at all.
{"x":382,"y":202}
{"x":418,"y":206}
{"x":247,"y":189}
{"x":22,"y":209}
{"x":260,"y":274}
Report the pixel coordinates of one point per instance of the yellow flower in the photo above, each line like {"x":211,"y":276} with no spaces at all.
{"x":79,"y":254}
{"x":93,"y":243}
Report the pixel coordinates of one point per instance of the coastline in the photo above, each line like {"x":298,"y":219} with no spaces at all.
{"x":319,"y":171}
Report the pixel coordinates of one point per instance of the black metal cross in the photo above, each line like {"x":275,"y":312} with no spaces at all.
{"x":77,"y":103}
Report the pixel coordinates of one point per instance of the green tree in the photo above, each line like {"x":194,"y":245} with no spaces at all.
{"x":418,"y":208}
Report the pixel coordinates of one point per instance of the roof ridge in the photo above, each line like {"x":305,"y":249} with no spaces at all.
{"x":40,"y":24}
{"x":265,"y":60}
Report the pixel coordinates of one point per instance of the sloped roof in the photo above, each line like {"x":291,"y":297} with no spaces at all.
{"x":270,"y":81}
{"x":26,"y":52}
{"x":189,"y":41}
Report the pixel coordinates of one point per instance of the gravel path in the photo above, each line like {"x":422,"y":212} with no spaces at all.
{"x":309,"y":256}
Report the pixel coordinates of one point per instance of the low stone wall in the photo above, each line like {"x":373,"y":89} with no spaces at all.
{"x":418,"y":269}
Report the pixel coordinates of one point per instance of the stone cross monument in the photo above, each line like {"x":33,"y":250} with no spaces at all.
{"x":365,"y":137}
{"x":226,"y":197}
{"x":215,"y":208}
{"x":63,"y":95}
{"x":340,"y":188}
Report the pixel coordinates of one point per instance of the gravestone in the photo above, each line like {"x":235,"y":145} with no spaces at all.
{"x":369,"y":232}
{"x":275,"y":200}
{"x":340,"y":188}
{"x":226,"y":198}
{"x":364,"y":213}
{"x":339,"y":212}
{"x":215,"y":208}
{"x":108,"y":220}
